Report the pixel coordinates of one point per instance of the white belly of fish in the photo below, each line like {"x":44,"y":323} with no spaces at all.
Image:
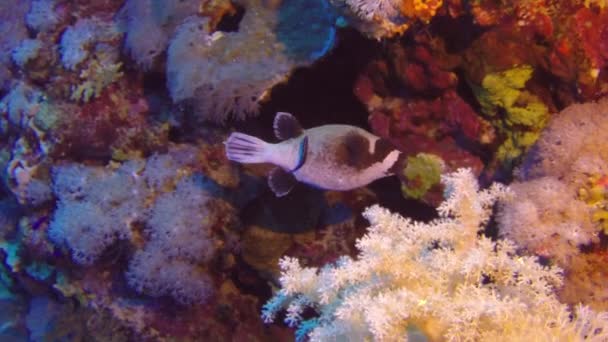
{"x":341,"y":178}
{"x":322,"y":170}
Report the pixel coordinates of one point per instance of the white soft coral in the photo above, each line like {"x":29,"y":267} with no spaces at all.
{"x":440,"y":278}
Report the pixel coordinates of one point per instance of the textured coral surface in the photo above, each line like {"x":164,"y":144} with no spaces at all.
{"x":121,"y":218}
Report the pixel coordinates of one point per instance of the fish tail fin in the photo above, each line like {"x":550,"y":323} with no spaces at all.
{"x":247,"y":149}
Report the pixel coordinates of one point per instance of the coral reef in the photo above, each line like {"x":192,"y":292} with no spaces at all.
{"x":559,"y":204}
{"x":440,"y":279}
{"x":98,"y":205}
{"x":411,"y":95}
{"x":522,"y":116}
{"x":121,"y":218}
{"x":421,"y":173}
{"x":387,"y":18}
{"x":13,"y":32}
{"x":150,"y":25}
{"x":268,"y":45}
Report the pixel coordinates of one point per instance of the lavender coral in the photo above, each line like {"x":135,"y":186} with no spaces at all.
{"x":77,"y":40}
{"x":98,"y":206}
{"x":440,"y":279}
{"x":13,"y":32}
{"x":230,"y":73}
{"x":150,"y":24}
{"x":42,"y":15}
{"x":560,"y":208}
{"x":170,"y":262}
{"x":560,"y":203}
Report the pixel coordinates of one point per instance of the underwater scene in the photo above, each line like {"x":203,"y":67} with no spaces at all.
{"x":303,"y":170}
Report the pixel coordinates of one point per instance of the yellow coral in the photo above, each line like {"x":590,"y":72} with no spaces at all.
{"x":595,"y":194}
{"x":96,"y":77}
{"x":525,"y":114}
{"x":598,"y":3}
{"x":423,"y":10}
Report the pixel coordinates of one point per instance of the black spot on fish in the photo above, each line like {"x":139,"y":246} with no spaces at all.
{"x":354,"y":151}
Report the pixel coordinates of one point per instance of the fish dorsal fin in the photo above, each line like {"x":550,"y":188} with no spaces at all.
{"x":286,"y":126}
{"x":280,"y":181}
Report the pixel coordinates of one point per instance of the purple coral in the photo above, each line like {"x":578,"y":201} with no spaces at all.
{"x":179,"y":241}
{"x":150,"y":24}
{"x":77,"y":40}
{"x":96,"y":206}
{"x":13,"y":32}
{"x":99,"y":205}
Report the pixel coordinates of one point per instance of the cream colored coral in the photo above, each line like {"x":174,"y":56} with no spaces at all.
{"x":441,"y":279}
{"x":387,"y":18}
{"x":227,"y":72}
{"x":546,"y":217}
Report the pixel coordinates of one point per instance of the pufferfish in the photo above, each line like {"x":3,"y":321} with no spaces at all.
{"x":330,"y":157}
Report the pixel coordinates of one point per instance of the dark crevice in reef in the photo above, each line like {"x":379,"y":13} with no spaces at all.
{"x":321,"y":94}
{"x":230,"y":22}
{"x":457,"y":33}
{"x":389,"y":195}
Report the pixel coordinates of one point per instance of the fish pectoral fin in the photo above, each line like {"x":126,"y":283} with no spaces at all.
{"x":281,"y":182}
{"x":286,"y":126}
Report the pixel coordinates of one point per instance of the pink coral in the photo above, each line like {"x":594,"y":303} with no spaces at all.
{"x":554,"y":212}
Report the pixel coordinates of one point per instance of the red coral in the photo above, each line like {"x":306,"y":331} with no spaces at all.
{"x":592,"y":30}
{"x":115,"y":123}
{"x":422,"y":67}
{"x":380,"y":124}
{"x":420,"y":110}
{"x":364,"y":89}
{"x":460,"y":116}
{"x":415,"y":77}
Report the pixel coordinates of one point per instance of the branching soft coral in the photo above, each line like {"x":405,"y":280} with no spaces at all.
{"x":386,"y":18}
{"x":440,"y":279}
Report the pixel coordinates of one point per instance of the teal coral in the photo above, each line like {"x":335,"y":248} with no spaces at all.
{"x":39,"y":270}
{"x":306,"y":28}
